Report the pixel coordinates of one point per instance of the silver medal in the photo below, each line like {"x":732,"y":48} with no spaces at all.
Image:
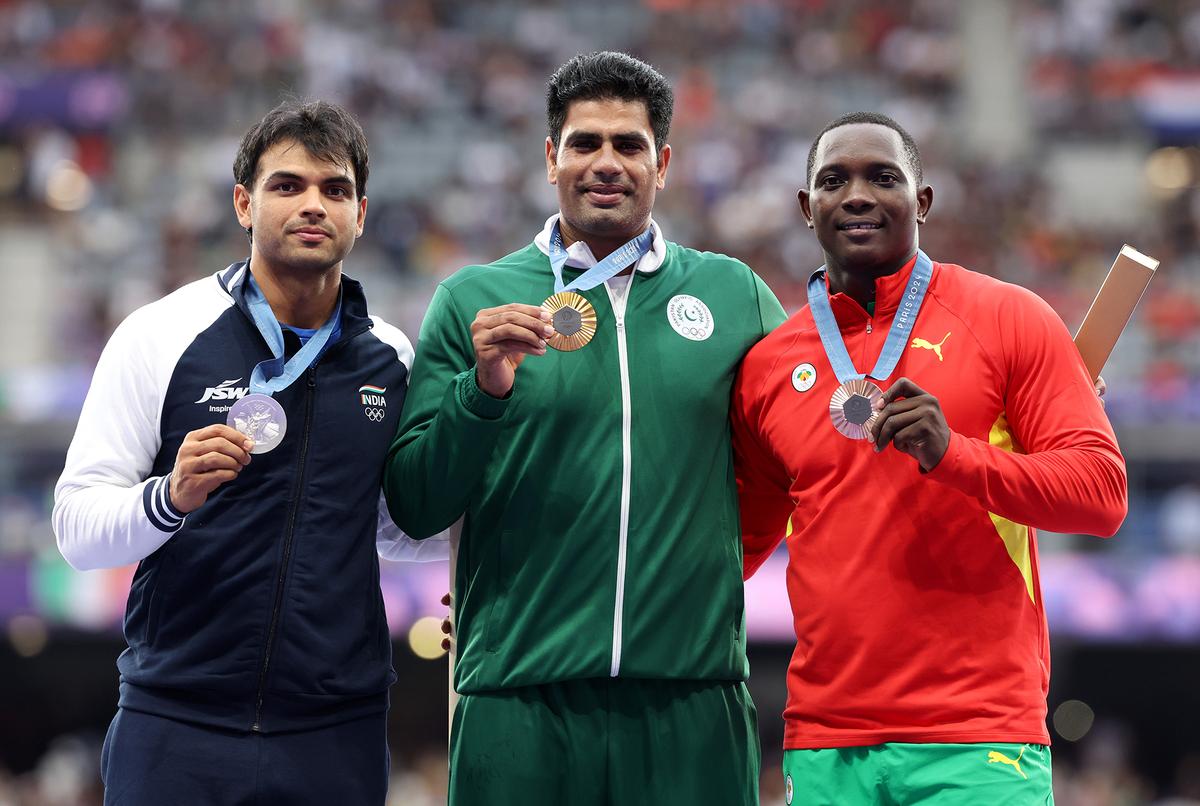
{"x":260,"y":418}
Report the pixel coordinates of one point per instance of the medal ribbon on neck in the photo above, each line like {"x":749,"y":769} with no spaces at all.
{"x":274,"y":374}
{"x":610,"y":267}
{"x":897,"y":338}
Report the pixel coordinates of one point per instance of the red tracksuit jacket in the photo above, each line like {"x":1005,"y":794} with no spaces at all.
{"x":915,"y":596}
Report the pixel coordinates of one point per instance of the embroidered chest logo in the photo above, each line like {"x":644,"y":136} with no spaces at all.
{"x":690,"y":317}
{"x":803,"y":377}
{"x":996,"y":757}
{"x":373,"y":401}
{"x":923,"y":344}
{"x":220,"y":397}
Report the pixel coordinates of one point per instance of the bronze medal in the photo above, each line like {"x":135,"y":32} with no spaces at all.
{"x":852,"y":408}
{"x":574,"y":321}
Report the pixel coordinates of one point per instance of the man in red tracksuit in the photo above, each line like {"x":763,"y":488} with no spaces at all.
{"x":907,"y":432}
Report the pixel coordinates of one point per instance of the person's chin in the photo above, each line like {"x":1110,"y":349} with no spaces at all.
{"x":314,"y":259}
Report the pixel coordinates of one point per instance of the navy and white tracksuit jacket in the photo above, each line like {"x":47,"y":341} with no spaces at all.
{"x":260,"y":610}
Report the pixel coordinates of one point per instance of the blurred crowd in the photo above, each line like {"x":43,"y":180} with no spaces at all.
{"x":119,"y":120}
{"x":1051,"y":133}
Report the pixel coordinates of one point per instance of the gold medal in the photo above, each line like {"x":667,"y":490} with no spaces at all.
{"x":852,"y":408}
{"x":574,"y":321}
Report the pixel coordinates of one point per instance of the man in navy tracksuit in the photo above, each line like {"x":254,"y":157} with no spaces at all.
{"x":232,"y":444}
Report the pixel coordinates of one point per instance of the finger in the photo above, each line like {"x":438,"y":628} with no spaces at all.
{"x":890,"y":410}
{"x":220,"y":431}
{"x":534,"y":311}
{"x":221,"y":445}
{"x":893,"y":424}
{"x":447,"y":627}
{"x":511,"y":332}
{"x":1101,"y":387}
{"x":446,"y":600}
{"x":534,"y":323}
{"x":209,"y":462}
{"x":207,"y":482}
{"x":511,"y":347}
{"x":904,"y":387}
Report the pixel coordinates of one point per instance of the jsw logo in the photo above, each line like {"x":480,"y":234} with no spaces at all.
{"x":224,"y":391}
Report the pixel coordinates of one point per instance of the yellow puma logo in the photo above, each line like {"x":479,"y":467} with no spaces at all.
{"x":928,"y":345}
{"x":995,"y":756}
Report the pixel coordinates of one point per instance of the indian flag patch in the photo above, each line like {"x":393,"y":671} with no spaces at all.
{"x":372,"y":395}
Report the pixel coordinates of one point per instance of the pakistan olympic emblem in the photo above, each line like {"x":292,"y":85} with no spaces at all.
{"x":690,"y":317}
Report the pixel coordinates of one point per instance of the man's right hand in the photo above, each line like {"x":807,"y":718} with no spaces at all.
{"x":502,"y":338}
{"x":208,"y":458}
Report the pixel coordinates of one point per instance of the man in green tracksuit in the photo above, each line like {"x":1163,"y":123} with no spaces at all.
{"x":584,"y":444}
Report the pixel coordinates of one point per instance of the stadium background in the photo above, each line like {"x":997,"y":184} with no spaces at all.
{"x":1051,"y":130}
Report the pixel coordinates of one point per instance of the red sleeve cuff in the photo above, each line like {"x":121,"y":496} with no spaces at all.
{"x":953,"y":469}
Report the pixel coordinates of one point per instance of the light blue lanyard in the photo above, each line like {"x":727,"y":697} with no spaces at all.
{"x":274,"y":375}
{"x":897,"y":338}
{"x":606,"y":269}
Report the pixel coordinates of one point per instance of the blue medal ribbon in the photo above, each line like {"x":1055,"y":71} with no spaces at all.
{"x":897,"y":338}
{"x":603,"y":271}
{"x":274,"y":374}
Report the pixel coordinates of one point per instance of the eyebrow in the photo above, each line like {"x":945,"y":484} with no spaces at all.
{"x":874,"y":166}
{"x":337,"y":179}
{"x":635,"y":136}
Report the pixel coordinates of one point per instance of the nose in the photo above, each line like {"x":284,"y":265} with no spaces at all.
{"x":858,"y":196}
{"x":313,"y":203}
{"x":607,"y":165}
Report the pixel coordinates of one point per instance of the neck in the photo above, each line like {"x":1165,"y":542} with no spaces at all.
{"x":601,"y":246}
{"x":858,"y":282}
{"x":300,"y":299}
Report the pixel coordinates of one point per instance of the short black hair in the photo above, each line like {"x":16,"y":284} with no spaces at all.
{"x":609,"y":74}
{"x":910,"y":145}
{"x":329,"y":132}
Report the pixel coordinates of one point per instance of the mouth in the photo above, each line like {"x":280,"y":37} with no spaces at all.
{"x":311,"y":234}
{"x":605,"y":195}
{"x":859,"y":226}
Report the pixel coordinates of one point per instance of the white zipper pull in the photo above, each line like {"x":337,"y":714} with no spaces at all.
{"x":868,"y":326}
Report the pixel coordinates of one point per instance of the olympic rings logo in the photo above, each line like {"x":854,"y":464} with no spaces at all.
{"x":375,"y":415}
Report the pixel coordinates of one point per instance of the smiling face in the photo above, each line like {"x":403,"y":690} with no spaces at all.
{"x":607,"y":172}
{"x":864,"y":203}
{"x":304,"y":211}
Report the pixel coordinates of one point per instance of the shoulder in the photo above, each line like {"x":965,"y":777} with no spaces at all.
{"x":694,"y":259}
{"x":393,"y":337}
{"x":496,"y":272}
{"x":178,"y":317}
{"x":766,"y":354}
{"x":972,"y":294}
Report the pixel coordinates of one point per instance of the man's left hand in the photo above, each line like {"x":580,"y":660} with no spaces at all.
{"x":912,"y":420}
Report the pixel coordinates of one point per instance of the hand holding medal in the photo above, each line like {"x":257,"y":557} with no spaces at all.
{"x":208,"y":458}
{"x":911,"y":419}
{"x":502,"y":337}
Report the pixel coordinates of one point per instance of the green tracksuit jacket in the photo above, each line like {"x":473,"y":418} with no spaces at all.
{"x":600,"y":522}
